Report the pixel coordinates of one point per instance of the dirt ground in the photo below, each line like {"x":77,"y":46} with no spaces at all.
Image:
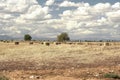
{"x":58,"y":62}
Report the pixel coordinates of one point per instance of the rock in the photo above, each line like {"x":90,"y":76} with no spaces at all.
{"x":112,"y":71}
{"x":72,"y":68}
{"x":96,"y":75}
{"x":32,"y":77}
{"x":35,"y":77}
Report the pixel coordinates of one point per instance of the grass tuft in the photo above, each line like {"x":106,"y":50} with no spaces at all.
{"x":112,"y":75}
{"x":3,"y":78}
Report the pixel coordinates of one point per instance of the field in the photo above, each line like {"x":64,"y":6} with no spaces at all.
{"x":59,"y":62}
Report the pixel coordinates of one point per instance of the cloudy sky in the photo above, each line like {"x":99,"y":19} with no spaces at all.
{"x":97,"y":19}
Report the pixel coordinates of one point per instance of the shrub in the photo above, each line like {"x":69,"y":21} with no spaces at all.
{"x":111,"y":75}
{"x":3,"y":78}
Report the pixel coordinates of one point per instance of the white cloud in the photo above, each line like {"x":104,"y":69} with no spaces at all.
{"x":36,"y":12}
{"x":93,"y":20}
{"x":102,"y":6}
{"x":11,"y":30}
{"x":87,"y":32}
{"x":114,"y":16}
{"x":71,"y":25}
{"x":73,"y":4}
{"x":28,"y":16}
{"x":49,"y":2}
{"x":17,"y":5}
{"x":116,"y":5}
{"x":68,"y":4}
{"x":17,"y":16}
{"x":6,"y":16}
{"x":48,"y":16}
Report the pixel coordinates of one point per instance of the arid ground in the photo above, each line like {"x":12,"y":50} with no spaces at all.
{"x":58,"y":62}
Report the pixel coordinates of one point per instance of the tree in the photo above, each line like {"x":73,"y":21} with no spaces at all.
{"x":63,"y":37}
{"x":27,"y":37}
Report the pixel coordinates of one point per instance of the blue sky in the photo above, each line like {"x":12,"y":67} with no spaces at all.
{"x":92,"y":2}
{"x":81,"y":19}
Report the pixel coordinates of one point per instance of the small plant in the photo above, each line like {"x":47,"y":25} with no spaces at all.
{"x":111,"y":75}
{"x":3,"y":78}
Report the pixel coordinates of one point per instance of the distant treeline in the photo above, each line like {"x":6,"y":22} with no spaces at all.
{"x":67,"y":41}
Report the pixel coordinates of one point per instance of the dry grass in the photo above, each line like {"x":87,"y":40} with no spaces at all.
{"x":38,"y":52}
{"x":64,"y":56}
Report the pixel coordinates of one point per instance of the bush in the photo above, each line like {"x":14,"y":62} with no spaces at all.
{"x":3,"y":78}
{"x":111,"y":75}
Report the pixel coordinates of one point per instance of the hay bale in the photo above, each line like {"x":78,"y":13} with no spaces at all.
{"x":106,"y":44}
{"x":4,"y":41}
{"x":16,"y":43}
{"x":41,"y":43}
{"x":57,"y":43}
{"x":7,"y":41}
{"x":79,"y":43}
{"x":70,"y":43}
{"x":89,"y":43}
{"x":100,"y":44}
{"x":47,"y":43}
{"x":31,"y":43}
{"x":1,"y":40}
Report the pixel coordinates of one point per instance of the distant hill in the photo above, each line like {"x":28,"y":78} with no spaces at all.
{"x":5,"y":37}
{"x":43,"y":38}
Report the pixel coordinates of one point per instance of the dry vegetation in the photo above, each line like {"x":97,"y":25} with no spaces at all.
{"x":78,"y":61}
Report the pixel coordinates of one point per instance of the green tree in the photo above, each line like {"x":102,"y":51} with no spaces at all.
{"x":27,"y":37}
{"x":63,"y":37}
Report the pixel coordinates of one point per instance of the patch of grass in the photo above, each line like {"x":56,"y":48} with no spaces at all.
{"x":112,"y":75}
{"x":3,"y":78}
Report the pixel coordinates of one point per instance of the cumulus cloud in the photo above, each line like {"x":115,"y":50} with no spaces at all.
{"x":49,"y":2}
{"x":16,"y":5}
{"x":114,"y":16}
{"x":68,"y":4}
{"x":93,"y":20}
{"x":72,"y":4}
{"x":21,"y":15}
{"x":84,"y":20}
{"x":36,"y":12}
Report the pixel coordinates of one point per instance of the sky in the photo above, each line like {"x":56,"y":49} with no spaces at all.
{"x":81,"y":19}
